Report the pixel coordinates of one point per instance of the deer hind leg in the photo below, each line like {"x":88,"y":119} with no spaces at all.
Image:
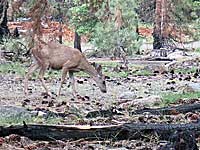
{"x":41,"y":78}
{"x":32,"y":68}
{"x":71,"y":76}
{"x":64,"y":74}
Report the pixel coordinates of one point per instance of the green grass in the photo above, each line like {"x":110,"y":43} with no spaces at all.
{"x":15,"y":68}
{"x":185,"y":71}
{"x":173,"y":97}
{"x":13,"y":120}
{"x":20,"y":69}
{"x":30,"y":120}
{"x":143,"y":73}
{"x":197,"y":50}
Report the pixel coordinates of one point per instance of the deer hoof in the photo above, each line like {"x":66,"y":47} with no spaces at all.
{"x":58,"y":94}
{"x":49,"y":94}
{"x":25,"y":92}
{"x":75,"y":95}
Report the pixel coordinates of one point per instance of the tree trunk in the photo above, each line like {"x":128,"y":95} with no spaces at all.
{"x":60,"y":32}
{"x":4,"y":31}
{"x":60,"y":23}
{"x":77,"y":41}
{"x":160,"y":34}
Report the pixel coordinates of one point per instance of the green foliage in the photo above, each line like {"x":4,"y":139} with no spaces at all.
{"x":16,"y":68}
{"x":173,"y":97}
{"x":82,"y":19}
{"x":186,"y":16}
{"x":15,"y":48}
{"x":197,"y":50}
{"x":108,"y":39}
{"x":196,"y":7}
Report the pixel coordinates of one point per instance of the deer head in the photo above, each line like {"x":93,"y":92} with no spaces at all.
{"x":100,"y":78}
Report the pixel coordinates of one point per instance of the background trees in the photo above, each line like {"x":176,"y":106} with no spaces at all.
{"x":172,"y":20}
{"x":112,"y":25}
{"x":116,"y":27}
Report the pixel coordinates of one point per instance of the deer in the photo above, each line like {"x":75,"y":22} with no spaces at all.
{"x":60,"y":57}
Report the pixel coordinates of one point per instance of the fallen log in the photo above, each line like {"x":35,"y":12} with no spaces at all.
{"x":171,"y":110}
{"x":115,"y":132}
{"x":159,"y":59}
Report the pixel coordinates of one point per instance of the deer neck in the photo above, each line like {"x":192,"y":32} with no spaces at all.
{"x":91,"y":71}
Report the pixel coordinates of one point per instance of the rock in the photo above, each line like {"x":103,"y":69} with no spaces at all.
{"x":14,"y":112}
{"x":177,"y":55}
{"x":151,"y":100}
{"x":127,"y":95}
{"x":41,"y":114}
{"x":190,"y":87}
{"x":194,"y":86}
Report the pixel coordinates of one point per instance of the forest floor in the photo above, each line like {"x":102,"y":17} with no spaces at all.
{"x":144,"y":84}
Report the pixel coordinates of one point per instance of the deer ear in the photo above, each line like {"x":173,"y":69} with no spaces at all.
{"x":93,"y":64}
{"x":97,"y":67}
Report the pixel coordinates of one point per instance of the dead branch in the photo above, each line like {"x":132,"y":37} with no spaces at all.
{"x":170,"y":110}
{"x":103,"y":113}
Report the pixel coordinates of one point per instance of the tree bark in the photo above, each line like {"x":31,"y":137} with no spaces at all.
{"x":160,"y":34}
{"x":60,"y":24}
{"x":60,"y":33}
{"x":4,"y":31}
{"x":77,"y":41}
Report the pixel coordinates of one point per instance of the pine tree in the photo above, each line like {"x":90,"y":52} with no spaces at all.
{"x":172,"y":20}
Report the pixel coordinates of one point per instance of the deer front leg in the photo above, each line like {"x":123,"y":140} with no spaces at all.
{"x":66,"y":67}
{"x":32,"y":68}
{"x":41,"y":78}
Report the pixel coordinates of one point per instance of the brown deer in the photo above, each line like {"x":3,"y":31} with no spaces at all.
{"x":57,"y":56}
